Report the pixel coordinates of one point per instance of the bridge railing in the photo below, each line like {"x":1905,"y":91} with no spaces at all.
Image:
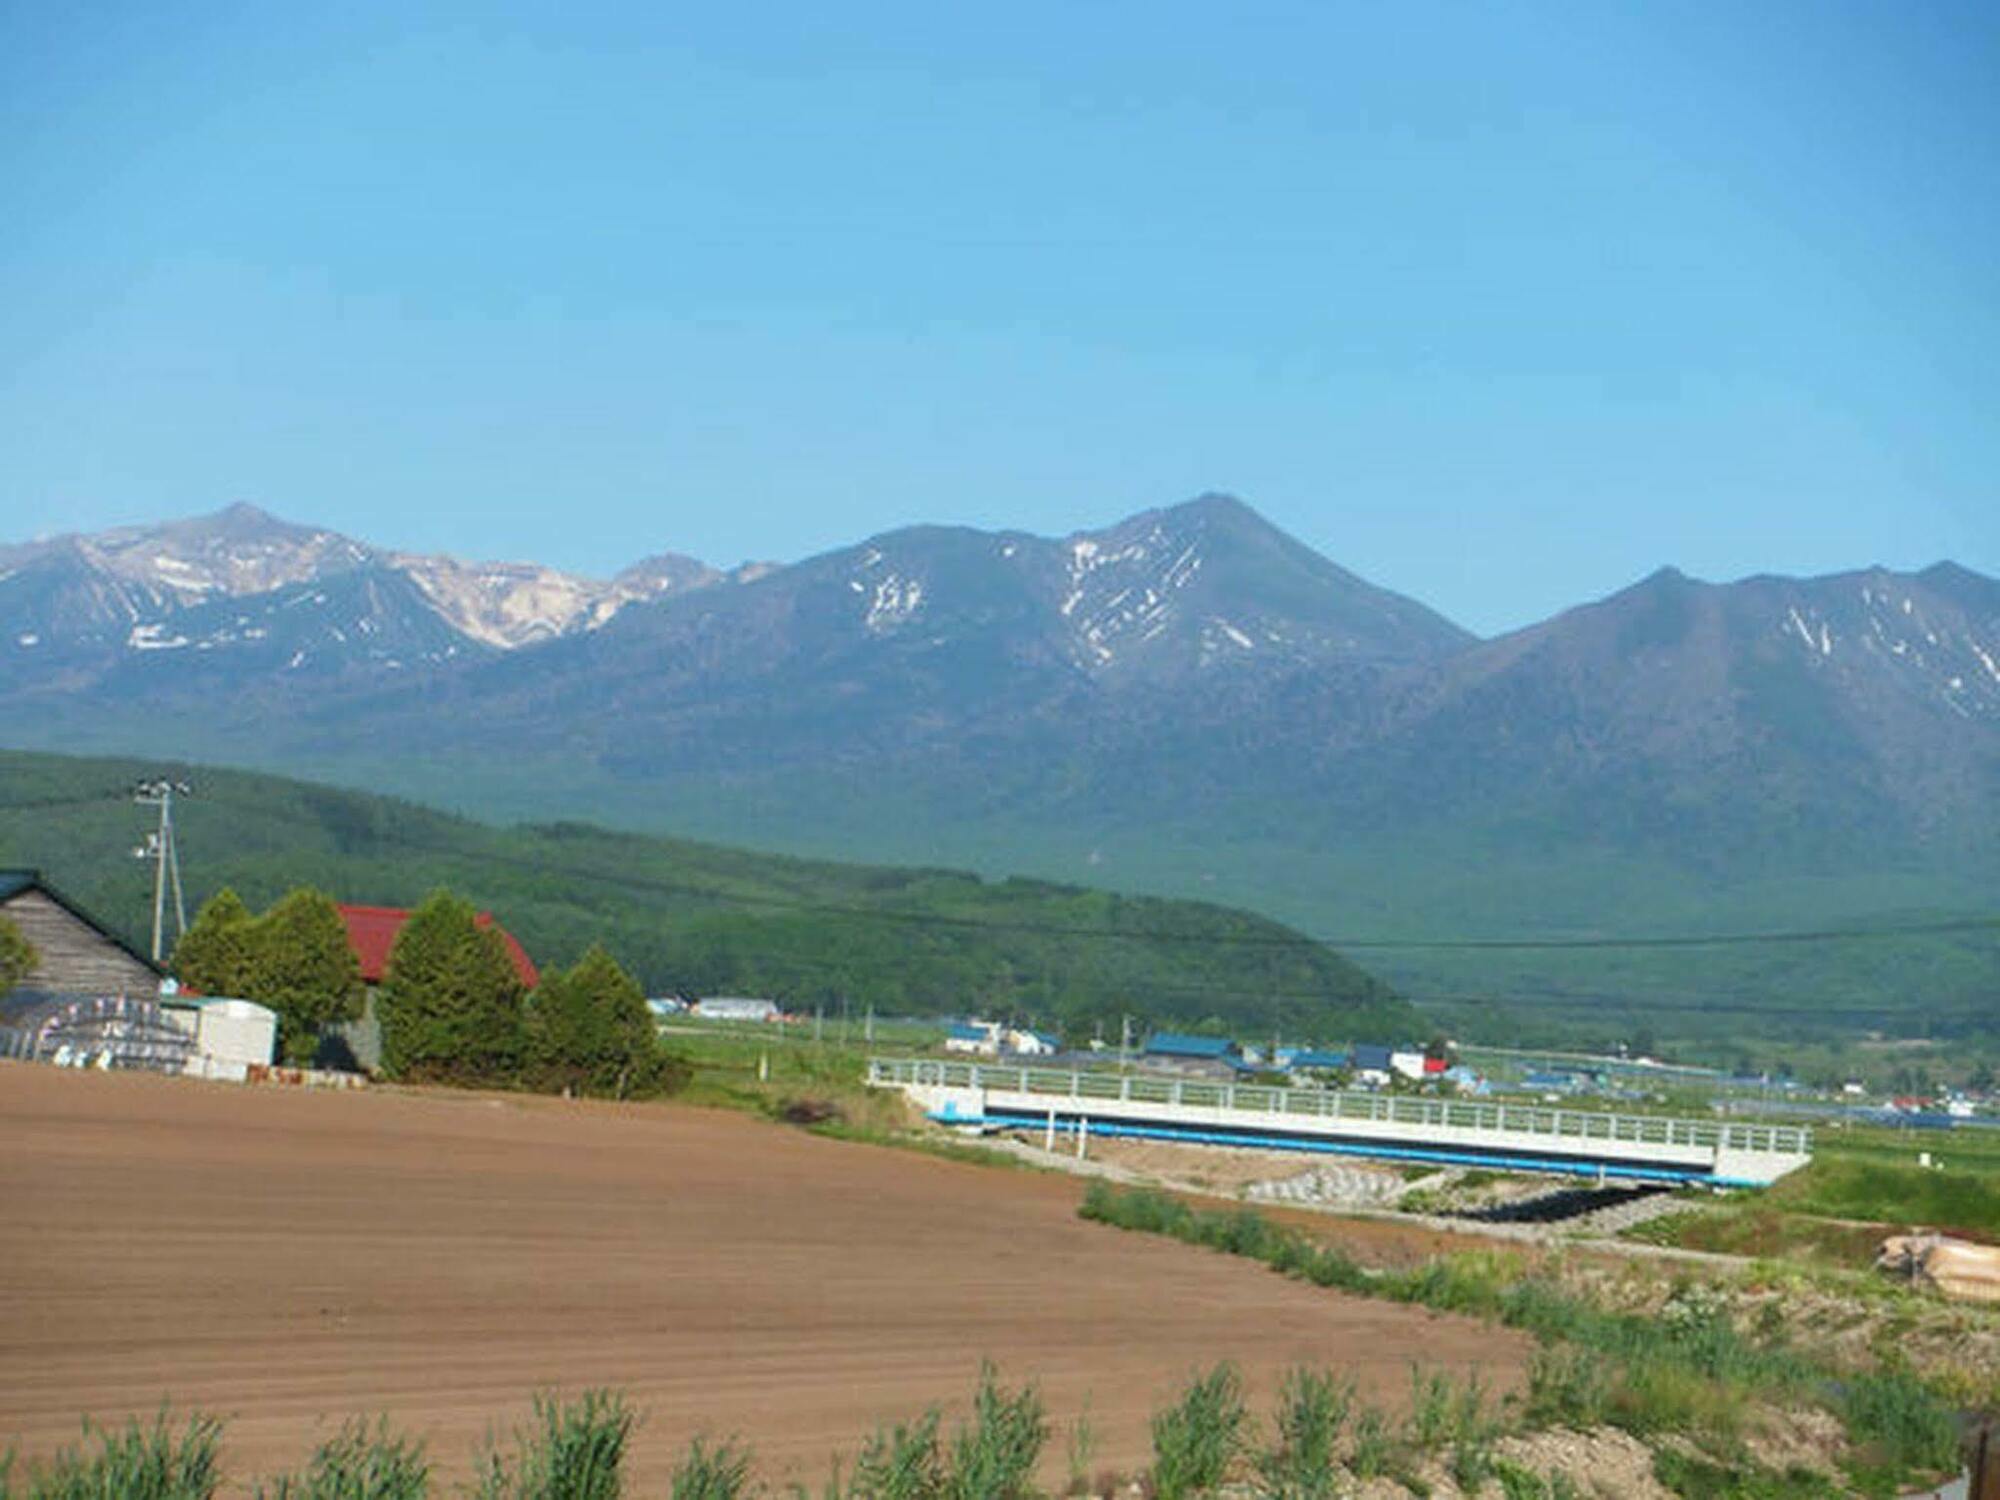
{"x":1583,"y":1126}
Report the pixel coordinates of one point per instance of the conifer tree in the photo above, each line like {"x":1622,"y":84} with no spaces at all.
{"x":451,"y":1003}
{"x":589,"y":1030}
{"x":216,"y":954}
{"x":17,"y":956}
{"x":304,"y":968}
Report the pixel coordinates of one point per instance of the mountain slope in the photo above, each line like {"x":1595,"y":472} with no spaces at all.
{"x":1186,"y":703}
{"x":94,"y":601}
{"x":705,"y":919}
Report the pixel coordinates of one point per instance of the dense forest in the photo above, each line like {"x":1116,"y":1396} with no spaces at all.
{"x":701,"y":919}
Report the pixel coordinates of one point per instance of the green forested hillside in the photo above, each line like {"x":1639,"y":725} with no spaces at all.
{"x":704,"y":919}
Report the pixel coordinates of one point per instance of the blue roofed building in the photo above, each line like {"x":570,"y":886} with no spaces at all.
{"x":1202,"y":1056}
{"x":981,"y":1038}
{"x":1371,"y":1063}
{"x":1315,"y":1060}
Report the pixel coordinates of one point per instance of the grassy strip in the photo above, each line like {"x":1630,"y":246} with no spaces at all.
{"x":1688,"y":1372}
{"x":1204,"y":1442}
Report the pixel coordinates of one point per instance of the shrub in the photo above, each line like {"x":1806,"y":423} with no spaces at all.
{"x":1196,"y":1441}
{"x":135,"y":1463}
{"x":363,"y":1462}
{"x":574,"y":1451}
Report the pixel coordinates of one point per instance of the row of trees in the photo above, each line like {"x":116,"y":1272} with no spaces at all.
{"x":295,"y":958}
{"x":452,"y":1007}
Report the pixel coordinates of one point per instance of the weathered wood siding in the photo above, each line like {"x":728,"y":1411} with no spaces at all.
{"x":75,"y":956}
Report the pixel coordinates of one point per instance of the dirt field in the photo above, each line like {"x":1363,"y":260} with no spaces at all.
{"x":285,"y":1259}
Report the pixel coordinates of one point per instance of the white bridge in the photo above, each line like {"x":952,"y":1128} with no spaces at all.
{"x":1511,"y":1137}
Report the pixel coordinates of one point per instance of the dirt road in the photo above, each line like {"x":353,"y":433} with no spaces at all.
{"x":285,"y":1259}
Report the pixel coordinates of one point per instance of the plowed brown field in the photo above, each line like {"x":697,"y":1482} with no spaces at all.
{"x":285,"y":1259}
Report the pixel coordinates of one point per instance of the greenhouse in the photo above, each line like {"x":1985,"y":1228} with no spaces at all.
{"x":92,"y":1031}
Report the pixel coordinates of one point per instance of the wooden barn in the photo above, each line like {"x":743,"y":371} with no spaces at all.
{"x":79,"y":955}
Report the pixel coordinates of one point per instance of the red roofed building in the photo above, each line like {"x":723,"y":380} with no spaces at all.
{"x":372,"y":932}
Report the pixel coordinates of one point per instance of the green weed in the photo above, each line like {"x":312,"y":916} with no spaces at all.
{"x":718,"y":1473}
{"x":133,"y":1463}
{"x":1302,"y":1463}
{"x":1374,"y":1445}
{"x":900,"y":1463}
{"x":995,"y":1457}
{"x":573,"y":1451}
{"x":363,"y":1461}
{"x":1196,"y":1441}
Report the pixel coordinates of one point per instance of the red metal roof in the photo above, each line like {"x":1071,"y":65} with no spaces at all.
{"x":372,"y":930}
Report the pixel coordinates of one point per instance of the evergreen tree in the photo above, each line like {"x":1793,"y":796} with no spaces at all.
{"x":217,"y":954}
{"x":17,"y":956}
{"x":589,"y":1031}
{"x":303,"y":966}
{"x":451,"y":1003}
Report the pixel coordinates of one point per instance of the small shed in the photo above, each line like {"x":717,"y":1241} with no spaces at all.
{"x":230,"y":1036}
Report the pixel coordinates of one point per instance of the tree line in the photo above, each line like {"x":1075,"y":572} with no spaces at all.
{"x":452,"y":1008}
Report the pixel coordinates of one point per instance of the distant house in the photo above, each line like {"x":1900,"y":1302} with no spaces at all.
{"x":1373,"y":1064}
{"x":1032,"y":1043}
{"x":1465,"y":1080}
{"x":1203,"y":1056}
{"x":980,"y":1038}
{"x":77,"y":953}
{"x":1407,"y":1062}
{"x":372,"y":933}
{"x":737,"y":1008}
{"x":1314,"y":1060}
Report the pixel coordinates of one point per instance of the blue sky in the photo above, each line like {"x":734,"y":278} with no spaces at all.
{"x":1503,"y":306}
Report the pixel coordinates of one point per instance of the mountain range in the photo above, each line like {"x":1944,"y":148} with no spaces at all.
{"x":1188,"y":702}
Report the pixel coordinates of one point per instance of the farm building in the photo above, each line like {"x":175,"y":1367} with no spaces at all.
{"x":93,"y":1031}
{"x":1203,"y":1056}
{"x":1025,"y":1043}
{"x":78,"y":954}
{"x":372,"y":932}
{"x":738,"y":1008}
{"x":981,"y":1038}
{"x":1372,"y":1064}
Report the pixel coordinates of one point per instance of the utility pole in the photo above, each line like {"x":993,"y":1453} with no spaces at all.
{"x":160,"y":848}
{"x":1124,"y":1044}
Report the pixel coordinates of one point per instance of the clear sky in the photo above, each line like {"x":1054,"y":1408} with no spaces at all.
{"x":1500,"y":305}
